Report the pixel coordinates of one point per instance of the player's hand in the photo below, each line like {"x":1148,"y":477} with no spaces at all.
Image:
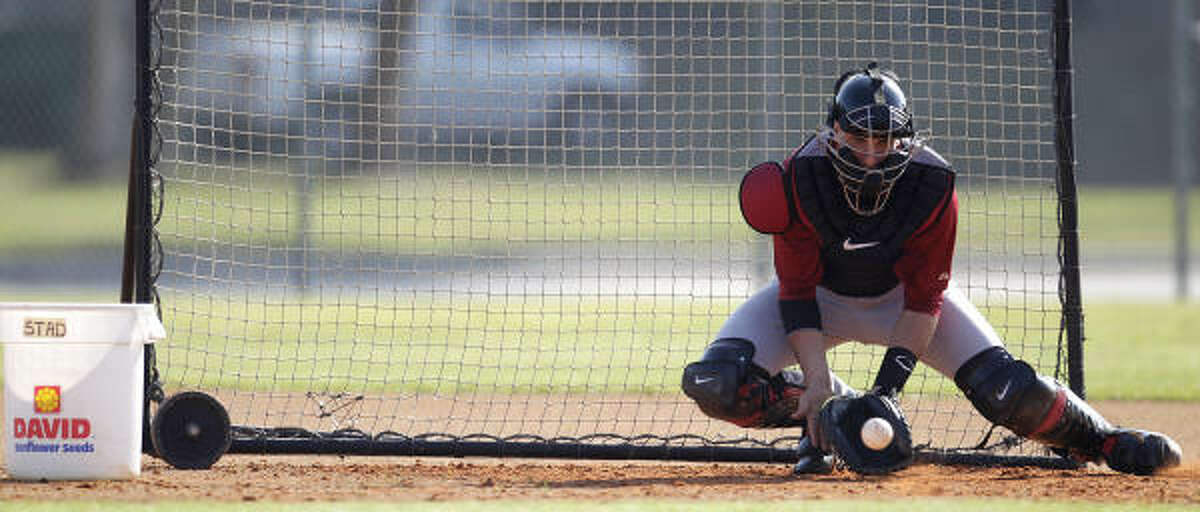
{"x":816,"y":392}
{"x":808,"y":345}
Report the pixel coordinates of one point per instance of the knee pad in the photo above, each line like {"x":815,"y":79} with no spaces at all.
{"x":1006,"y":391}
{"x":727,"y":385}
{"x":713,"y":381}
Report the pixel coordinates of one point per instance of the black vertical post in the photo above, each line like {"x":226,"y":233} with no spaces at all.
{"x":138,"y":219}
{"x":136,"y":272}
{"x":1068,"y":207}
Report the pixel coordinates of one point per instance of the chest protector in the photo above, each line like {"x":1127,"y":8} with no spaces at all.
{"x":859,"y":253}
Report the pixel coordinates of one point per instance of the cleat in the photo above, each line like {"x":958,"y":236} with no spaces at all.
{"x":811,"y":461}
{"x":813,"y":465}
{"x":1140,"y":452}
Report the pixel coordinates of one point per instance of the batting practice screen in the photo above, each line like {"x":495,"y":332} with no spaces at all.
{"x":513,"y":223}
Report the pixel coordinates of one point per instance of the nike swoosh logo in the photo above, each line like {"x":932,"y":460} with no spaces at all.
{"x":851,"y":246}
{"x":703,"y":380}
{"x":1003,"y":392}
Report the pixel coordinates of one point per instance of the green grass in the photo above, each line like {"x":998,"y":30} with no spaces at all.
{"x":1133,"y":351}
{"x":913,"y":505}
{"x":1140,"y":351}
{"x":623,"y":346}
{"x":1112,"y":219}
{"x":41,"y":213}
{"x":502,"y":345}
{"x":1133,"y":219}
{"x":498,"y":345}
{"x":448,"y":210}
{"x":483,"y":212}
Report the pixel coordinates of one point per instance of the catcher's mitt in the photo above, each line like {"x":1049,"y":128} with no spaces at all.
{"x":841,"y":420}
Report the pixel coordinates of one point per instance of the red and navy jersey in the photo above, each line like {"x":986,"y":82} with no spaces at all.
{"x":911,"y":241}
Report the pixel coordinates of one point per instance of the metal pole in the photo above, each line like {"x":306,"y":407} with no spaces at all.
{"x":1183,"y":131}
{"x":1064,"y":141}
{"x":137,"y":283}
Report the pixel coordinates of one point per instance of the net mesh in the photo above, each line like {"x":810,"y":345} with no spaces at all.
{"x":520,"y":218}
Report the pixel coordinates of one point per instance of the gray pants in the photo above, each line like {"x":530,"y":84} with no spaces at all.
{"x":961,"y":333}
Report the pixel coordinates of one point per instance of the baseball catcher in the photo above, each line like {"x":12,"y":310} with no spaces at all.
{"x":863,"y":217}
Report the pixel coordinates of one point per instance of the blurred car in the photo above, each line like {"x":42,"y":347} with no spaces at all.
{"x":287,"y":79}
{"x":490,"y":74}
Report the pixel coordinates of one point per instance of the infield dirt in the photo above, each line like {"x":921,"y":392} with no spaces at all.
{"x":336,"y":478}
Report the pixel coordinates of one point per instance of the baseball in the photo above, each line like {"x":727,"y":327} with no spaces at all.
{"x":877,"y":433}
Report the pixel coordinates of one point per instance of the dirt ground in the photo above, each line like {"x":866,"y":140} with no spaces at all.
{"x":332,"y":478}
{"x":325,"y":478}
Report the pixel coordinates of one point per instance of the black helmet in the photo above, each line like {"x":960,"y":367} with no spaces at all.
{"x":870,"y":103}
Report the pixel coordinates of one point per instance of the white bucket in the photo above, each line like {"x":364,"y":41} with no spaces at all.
{"x":73,"y":377}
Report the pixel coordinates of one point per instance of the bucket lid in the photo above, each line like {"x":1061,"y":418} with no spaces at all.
{"x":26,"y":322}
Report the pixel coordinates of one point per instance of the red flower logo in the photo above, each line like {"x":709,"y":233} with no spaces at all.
{"x":47,"y":399}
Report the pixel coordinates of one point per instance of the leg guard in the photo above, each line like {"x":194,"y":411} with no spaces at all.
{"x":1009,"y":393}
{"x":727,"y":385}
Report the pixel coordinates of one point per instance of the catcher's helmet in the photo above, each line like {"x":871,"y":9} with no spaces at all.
{"x":870,"y":104}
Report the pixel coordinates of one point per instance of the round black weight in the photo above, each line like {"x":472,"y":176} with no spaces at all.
{"x":191,"y":430}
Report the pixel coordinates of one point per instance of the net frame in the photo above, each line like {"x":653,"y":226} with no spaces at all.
{"x":1046,"y":164}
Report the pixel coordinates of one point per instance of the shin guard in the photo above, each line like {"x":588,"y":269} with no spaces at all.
{"x":1009,"y":393}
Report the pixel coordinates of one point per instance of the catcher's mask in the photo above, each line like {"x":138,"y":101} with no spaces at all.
{"x":871,"y":109}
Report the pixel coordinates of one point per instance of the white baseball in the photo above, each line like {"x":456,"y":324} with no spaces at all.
{"x":877,"y":433}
